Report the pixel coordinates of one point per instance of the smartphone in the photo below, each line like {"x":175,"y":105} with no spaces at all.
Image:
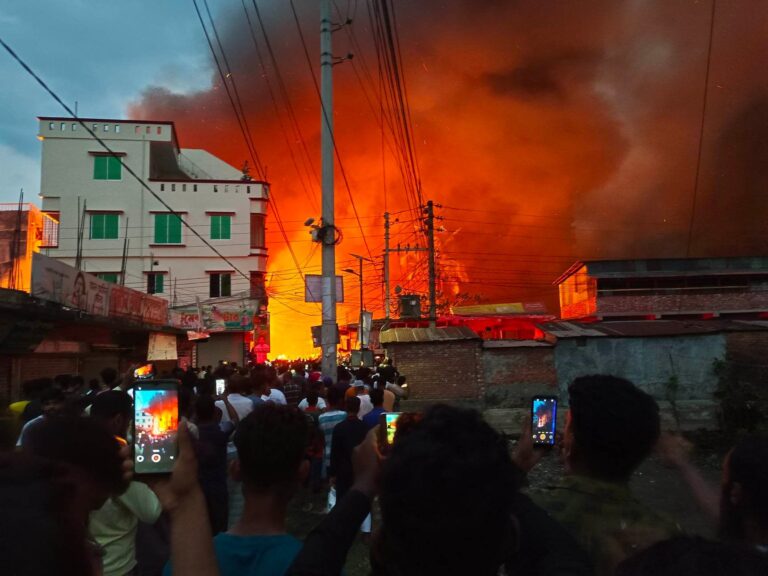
{"x":388,"y":428}
{"x":156,"y":426}
{"x":144,"y":372}
{"x":220,"y":386}
{"x":543,"y":420}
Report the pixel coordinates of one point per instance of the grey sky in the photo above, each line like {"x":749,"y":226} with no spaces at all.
{"x":100,"y":53}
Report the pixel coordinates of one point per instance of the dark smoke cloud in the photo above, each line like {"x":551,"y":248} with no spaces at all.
{"x":572,"y":128}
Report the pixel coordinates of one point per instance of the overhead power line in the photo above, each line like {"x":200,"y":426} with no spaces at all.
{"x":104,"y":145}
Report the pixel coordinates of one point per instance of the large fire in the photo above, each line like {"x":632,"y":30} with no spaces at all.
{"x":547,"y":132}
{"x":165,"y":413}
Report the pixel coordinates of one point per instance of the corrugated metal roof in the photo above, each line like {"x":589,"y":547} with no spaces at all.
{"x":648,"y":328}
{"x":402,"y":335}
{"x":571,"y":329}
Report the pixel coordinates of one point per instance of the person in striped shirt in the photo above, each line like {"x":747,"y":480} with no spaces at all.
{"x":327,"y":421}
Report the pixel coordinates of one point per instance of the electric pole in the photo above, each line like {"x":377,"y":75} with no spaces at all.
{"x":430,"y":210}
{"x":386,"y":265}
{"x":329,"y":330}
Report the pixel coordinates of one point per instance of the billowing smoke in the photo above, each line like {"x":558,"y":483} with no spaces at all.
{"x":549,"y":131}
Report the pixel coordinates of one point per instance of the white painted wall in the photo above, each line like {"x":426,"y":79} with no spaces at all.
{"x":67,"y":174}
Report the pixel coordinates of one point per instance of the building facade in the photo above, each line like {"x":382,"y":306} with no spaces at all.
{"x":664,"y":288}
{"x":123,"y":233}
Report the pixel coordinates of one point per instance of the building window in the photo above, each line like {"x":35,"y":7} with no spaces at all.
{"x":155,"y":283}
{"x":107,"y":168}
{"x":148,"y":129}
{"x":50,"y":230}
{"x":183,"y":187}
{"x":106,"y":127}
{"x":162,"y":187}
{"x":194,"y":187}
{"x":221,"y":284}
{"x":248,"y":189}
{"x":167,"y":229}
{"x":220,"y":227}
{"x":104,"y":226}
{"x":257,"y":231}
{"x":95,"y":127}
{"x":159,"y":130}
{"x":108,"y":276}
{"x":137,"y":129}
{"x":117,"y":128}
{"x":173,"y":187}
{"x":74,"y":126}
{"x":51,"y":126}
{"x":215,"y":188}
{"x":63,"y":126}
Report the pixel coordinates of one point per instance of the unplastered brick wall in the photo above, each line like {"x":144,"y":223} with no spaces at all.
{"x":440,"y":370}
{"x":676,"y":303}
{"x":519,"y":365}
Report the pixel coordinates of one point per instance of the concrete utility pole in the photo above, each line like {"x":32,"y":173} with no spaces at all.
{"x":386,"y":265}
{"x":362,"y":304}
{"x":329,"y":331}
{"x":430,"y":210}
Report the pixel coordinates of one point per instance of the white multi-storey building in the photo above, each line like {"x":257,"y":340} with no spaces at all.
{"x":98,"y":204}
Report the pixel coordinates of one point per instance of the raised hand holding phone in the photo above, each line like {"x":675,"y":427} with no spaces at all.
{"x":156,"y":423}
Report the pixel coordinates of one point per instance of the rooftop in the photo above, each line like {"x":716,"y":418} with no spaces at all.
{"x":648,"y":328}
{"x":443,"y":334}
{"x":661,"y":267}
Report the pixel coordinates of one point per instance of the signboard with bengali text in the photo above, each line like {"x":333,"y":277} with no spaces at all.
{"x":57,"y":282}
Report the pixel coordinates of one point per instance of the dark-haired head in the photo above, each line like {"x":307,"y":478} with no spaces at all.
{"x":43,"y":524}
{"x":694,"y":555}
{"x":86,"y":446}
{"x":53,"y":401}
{"x":612,"y":426}
{"x":451,"y":456}
{"x":114,"y":410}
{"x":336,"y":397}
{"x":109,"y":377}
{"x":352,"y":405}
{"x":271,"y":442}
{"x":205,"y":409}
{"x":744,"y":500}
{"x":377,"y":396}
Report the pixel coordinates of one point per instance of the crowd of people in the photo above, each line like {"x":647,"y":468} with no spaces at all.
{"x":450,"y":490}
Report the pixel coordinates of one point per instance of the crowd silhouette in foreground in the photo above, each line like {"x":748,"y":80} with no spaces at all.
{"x":449,"y":495}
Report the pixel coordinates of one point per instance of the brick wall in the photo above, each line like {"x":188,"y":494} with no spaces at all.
{"x":675,"y":303}
{"x":439,"y":370}
{"x":512,"y":375}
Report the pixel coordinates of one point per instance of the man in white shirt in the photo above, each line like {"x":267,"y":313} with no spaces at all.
{"x":114,"y":525}
{"x":234,"y":407}
{"x":274,"y":395}
{"x":365,"y":400}
{"x":242,"y":404}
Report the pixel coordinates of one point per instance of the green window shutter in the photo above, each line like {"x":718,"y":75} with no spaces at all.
{"x":226,"y":285}
{"x":110,"y":225}
{"x":108,"y":277}
{"x":161,"y":228}
{"x":159,"y":283}
{"x":215,"y":227}
{"x":100,"y":167}
{"x":114,"y":168}
{"x":225,"y":227}
{"x":174,"y":229}
{"x":97,"y":226}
